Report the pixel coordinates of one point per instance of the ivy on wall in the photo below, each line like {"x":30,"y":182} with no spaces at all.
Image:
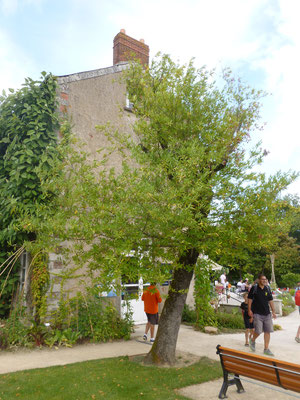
{"x":28,"y":143}
{"x":202,"y":294}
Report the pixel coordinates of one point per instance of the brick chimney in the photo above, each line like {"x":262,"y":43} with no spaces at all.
{"x":126,"y":48}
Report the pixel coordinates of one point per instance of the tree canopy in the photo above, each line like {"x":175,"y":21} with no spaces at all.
{"x":186,"y":186}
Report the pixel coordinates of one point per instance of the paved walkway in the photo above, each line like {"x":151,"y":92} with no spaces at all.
{"x":283,"y":344}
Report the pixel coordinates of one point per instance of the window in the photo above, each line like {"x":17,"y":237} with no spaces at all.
{"x":129,"y":104}
{"x":24,"y":259}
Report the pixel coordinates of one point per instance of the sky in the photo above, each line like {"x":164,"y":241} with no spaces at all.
{"x":258,"y":39}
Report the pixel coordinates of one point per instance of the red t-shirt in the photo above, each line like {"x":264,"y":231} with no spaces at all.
{"x":151,"y":298}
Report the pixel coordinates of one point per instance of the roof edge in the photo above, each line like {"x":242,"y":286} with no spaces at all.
{"x":93,"y":73}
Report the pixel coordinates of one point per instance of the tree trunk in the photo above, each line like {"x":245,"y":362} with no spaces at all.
{"x":273,"y":280}
{"x":164,"y":347}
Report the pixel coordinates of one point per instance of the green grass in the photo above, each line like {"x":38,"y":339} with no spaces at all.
{"x":114,"y":378}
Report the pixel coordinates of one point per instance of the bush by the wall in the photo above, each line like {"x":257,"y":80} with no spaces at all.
{"x":232,"y":321}
{"x":79,"y":319}
{"x":94,"y":320}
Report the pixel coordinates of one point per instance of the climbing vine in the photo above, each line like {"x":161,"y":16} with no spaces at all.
{"x":202,"y":293}
{"x":28,"y":144}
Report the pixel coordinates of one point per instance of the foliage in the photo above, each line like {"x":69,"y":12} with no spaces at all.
{"x":287,"y":310}
{"x":193,"y":189}
{"x":66,"y":337}
{"x":8,"y":289}
{"x":287,"y":299}
{"x":202,"y":293}
{"x":277,"y":327}
{"x":39,"y":283}
{"x":189,"y":315}
{"x":284,"y":244}
{"x":250,"y":277}
{"x":28,"y":124}
{"x":14,"y":332}
{"x":111,"y":379}
{"x":288,"y":304}
{"x":185,"y":186}
{"x":290,"y":279}
{"x":233,"y":321}
{"x":28,"y":141}
{"x":91,"y":318}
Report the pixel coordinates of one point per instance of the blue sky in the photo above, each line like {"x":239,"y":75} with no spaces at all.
{"x":258,"y":39}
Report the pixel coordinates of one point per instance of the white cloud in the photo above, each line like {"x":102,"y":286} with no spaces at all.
{"x":10,"y":7}
{"x":15,"y":66}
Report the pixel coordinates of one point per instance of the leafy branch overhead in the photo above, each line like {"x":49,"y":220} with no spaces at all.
{"x":186,"y":181}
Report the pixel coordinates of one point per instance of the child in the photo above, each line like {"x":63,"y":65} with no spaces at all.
{"x":248,"y":325}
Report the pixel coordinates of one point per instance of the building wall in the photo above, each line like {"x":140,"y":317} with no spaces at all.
{"x":96,"y":98}
{"x":88,"y":99}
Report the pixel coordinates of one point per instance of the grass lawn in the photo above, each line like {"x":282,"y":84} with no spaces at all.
{"x":113,"y":378}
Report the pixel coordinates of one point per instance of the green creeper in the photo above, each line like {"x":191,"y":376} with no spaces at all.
{"x":28,"y":141}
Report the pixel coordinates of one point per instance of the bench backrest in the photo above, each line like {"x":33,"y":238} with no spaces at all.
{"x":265,"y":369}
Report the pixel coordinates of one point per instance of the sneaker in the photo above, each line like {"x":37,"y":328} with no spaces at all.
{"x":267,"y":352}
{"x":252,"y":345}
{"x":247,"y":344}
{"x":297,"y":339}
{"x":152,"y":341}
{"x":145,"y":337}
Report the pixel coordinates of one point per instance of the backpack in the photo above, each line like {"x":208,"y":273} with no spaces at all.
{"x":297,"y":297}
{"x":268,"y":289}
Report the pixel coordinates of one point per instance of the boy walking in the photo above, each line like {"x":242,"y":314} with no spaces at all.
{"x":249,"y":328}
{"x":151,"y":298}
{"x":260,"y":300}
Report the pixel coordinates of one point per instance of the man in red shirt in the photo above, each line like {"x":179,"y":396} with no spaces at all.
{"x":151,"y":298}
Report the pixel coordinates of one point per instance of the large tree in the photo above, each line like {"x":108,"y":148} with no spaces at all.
{"x":186,"y":187}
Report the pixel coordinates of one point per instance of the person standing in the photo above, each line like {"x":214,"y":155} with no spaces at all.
{"x":297,"y":296}
{"x":249,"y":328}
{"x":239,"y":286}
{"x":223,"y":281}
{"x":151,"y":297}
{"x":260,"y":300}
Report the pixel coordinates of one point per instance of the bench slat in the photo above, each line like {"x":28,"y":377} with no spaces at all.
{"x":272,"y":371}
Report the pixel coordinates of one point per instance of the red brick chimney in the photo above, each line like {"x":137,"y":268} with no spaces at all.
{"x":126,"y":48}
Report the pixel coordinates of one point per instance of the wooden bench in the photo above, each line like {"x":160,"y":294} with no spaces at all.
{"x":264,"y":369}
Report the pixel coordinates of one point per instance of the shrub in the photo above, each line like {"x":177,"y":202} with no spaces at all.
{"x":80,"y":318}
{"x":233,"y":321}
{"x":14,"y":331}
{"x":189,"y":315}
{"x":97,"y":321}
{"x":287,"y":310}
{"x":277,"y":327}
{"x":287,"y":299}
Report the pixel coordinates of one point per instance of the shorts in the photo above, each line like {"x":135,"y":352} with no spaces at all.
{"x":248,"y":324}
{"x":152,"y":318}
{"x":263,"y":323}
